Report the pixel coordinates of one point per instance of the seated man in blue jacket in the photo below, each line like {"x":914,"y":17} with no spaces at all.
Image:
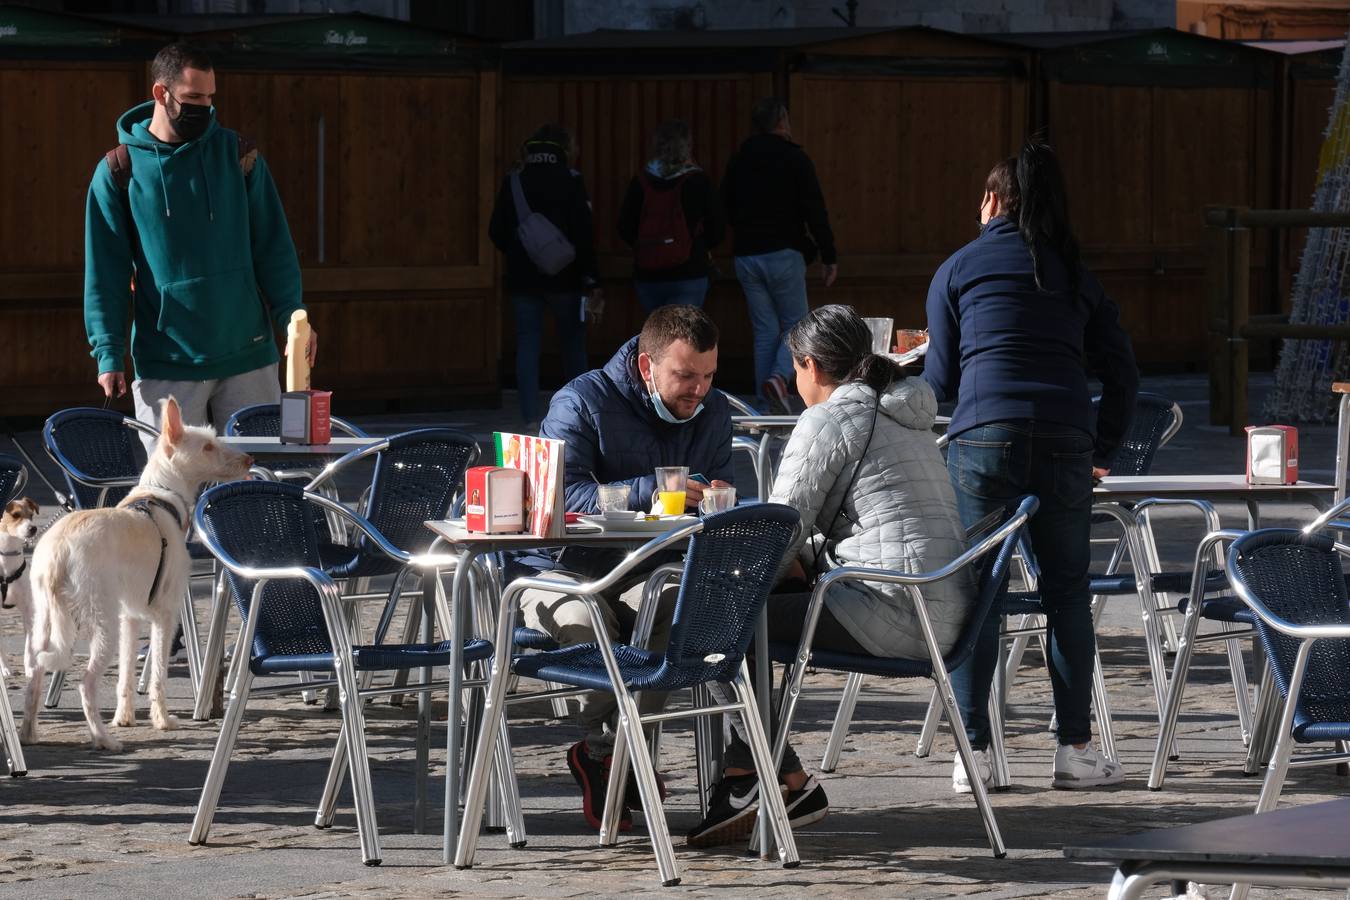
{"x":651,"y":405}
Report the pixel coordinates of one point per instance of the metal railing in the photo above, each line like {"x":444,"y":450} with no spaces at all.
{"x":1231,"y":324}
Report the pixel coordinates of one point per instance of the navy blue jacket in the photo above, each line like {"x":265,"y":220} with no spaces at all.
{"x":607,"y":421}
{"x":1005,"y":351}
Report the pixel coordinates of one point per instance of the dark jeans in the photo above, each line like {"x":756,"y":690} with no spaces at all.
{"x":655,"y":294}
{"x":787,"y":612}
{"x":529,"y":310}
{"x":991,"y":466}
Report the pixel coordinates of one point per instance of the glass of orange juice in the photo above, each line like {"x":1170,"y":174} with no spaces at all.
{"x":670,"y":485}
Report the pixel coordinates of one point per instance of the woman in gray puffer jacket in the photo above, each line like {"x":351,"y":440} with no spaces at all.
{"x":863,"y":469}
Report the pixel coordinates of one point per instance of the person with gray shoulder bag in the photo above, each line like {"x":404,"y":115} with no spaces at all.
{"x":542,"y":223}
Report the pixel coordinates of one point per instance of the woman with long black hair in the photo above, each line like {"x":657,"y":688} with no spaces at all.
{"x":1015,"y":323}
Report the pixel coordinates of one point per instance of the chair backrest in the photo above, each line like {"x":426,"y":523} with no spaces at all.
{"x":730,"y":567}
{"x":264,"y":420}
{"x":1156,"y":419}
{"x":13,"y":476}
{"x":1298,"y":577}
{"x":738,"y":406}
{"x":268,"y":524}
{"x":93,"y":444}
{"x":993,"y":579}
{"x":416,"y":479}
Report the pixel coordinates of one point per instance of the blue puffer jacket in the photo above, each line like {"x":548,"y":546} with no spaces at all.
{"x":607,"y":421}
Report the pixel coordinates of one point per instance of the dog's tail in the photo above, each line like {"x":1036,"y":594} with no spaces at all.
{"x":53,"y":637}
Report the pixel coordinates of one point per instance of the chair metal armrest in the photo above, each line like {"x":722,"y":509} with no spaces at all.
{"x":651,"y":602}
{"x":337,"y":465}
{"x":1210,"y":543}
{"x":1335,"y":513}
{"x":630,"y":562}
{"x":423,"y":560}
{"x":1204,"y":507}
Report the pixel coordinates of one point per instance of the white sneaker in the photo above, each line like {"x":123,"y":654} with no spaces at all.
{"x":1086,"y":768}
{"x":961,"y":781}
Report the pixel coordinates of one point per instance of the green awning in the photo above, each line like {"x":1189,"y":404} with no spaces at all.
{"x":22,"y":26}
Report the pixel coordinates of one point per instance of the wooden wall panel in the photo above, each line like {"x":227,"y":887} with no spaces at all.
{"x":282,"y":112}
{"x":59,"y":121}
{"x":1104,"y":137}
{"x":409,"y":170}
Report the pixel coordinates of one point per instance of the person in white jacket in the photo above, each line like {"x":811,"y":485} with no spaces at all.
{"x":863,"y":469}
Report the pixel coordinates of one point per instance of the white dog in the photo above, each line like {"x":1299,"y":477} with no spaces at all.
{"x":96,"y":567}
{"x":17,"y":530}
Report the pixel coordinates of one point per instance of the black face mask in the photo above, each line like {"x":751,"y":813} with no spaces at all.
{"x":192,"y":120}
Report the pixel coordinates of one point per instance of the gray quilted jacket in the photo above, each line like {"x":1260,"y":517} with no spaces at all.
{"x":899,"y":513}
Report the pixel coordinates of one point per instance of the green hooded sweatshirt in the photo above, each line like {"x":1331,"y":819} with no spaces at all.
{"x":205,"y":245}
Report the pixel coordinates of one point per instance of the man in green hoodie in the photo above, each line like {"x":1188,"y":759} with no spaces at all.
{"x":195,"y":239}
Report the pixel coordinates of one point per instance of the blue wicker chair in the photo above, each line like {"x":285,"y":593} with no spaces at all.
{"x":732,"y":561}
{"x":264,"y":534}
{"x":13,"y":476}
{"x":1001,"y":544}
{"x":1294,"y":583}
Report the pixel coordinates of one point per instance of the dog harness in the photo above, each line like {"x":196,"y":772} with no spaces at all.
{"x":145,"y":504}
{"x":7,"y":580}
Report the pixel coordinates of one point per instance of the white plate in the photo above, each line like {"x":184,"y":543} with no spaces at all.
{"x":662,"y":523}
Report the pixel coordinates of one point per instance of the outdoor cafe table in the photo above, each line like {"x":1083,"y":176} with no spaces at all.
{"x":1214,"y":488}
{"x":469,"y":545}
{"x":1301,"y":846}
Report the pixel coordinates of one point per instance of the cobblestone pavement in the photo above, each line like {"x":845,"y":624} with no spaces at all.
{"x":85,"y":824}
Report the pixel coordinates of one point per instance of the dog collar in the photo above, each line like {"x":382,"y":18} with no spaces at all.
{"x":7,"y":580}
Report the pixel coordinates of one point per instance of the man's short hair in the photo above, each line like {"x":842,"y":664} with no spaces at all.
{"x":668,"y":324}
{"x":767,"y":113}
{"x":172,"y":60}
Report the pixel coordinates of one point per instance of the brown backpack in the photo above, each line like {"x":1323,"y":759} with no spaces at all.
{"x":119,"y":161}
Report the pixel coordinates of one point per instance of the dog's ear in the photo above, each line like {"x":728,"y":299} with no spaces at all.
{"x":171,"y":422}
{"x":28,"y":501}
{"x":12,"y":508}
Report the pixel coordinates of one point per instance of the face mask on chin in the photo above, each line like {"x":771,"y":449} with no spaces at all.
{"x":663,"y":412}
{"x":191,"y":121}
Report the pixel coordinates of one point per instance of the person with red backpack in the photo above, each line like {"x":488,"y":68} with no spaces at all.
{"x":671,"y":217}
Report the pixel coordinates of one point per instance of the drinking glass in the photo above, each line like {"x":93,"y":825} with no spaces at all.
{"x":907,"y":339}
{"x":612,"y":498}
{"x":670,"y":486}
{"x":881,"y":333}
{"x":717,"y":499}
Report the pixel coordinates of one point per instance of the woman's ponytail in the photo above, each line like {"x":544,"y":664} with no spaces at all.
{"x":1043,"y":211}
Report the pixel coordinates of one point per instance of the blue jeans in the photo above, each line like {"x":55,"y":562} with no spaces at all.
{"x":775,"y":293}
{"x":653,"y":294}
{"x":991,"y":466}
{"x":529,"y":309}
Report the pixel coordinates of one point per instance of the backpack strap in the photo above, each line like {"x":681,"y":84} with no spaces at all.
{"x":119,"y":161}
{"x":119,"y":166}
{"x":248,"y":153}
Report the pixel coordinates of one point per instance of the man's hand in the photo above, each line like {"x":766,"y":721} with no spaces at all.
{"x":595,"y":305}
{"x":114,"y":384}
{"x":693,"y":490}
{"x":1098,"y":473}
{"x":831,"y":272}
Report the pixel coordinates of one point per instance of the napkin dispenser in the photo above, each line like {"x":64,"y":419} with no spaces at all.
{"x":495,"y":500}
{"x":305,"y":417}
{"x":1272,"y":454}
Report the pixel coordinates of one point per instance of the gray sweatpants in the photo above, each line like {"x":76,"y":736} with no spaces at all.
{"x":206,"y":402}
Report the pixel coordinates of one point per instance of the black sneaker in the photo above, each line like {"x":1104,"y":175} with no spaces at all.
{"x":592,"y":776}
{"x":632,"y":799}
{"x":775,"y":394}
{"x":731,"y":812}
{"x":808,"y":805}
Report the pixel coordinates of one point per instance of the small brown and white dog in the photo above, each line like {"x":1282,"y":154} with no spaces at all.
{"x":98,"y":567}
{"x":17,"y":530}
